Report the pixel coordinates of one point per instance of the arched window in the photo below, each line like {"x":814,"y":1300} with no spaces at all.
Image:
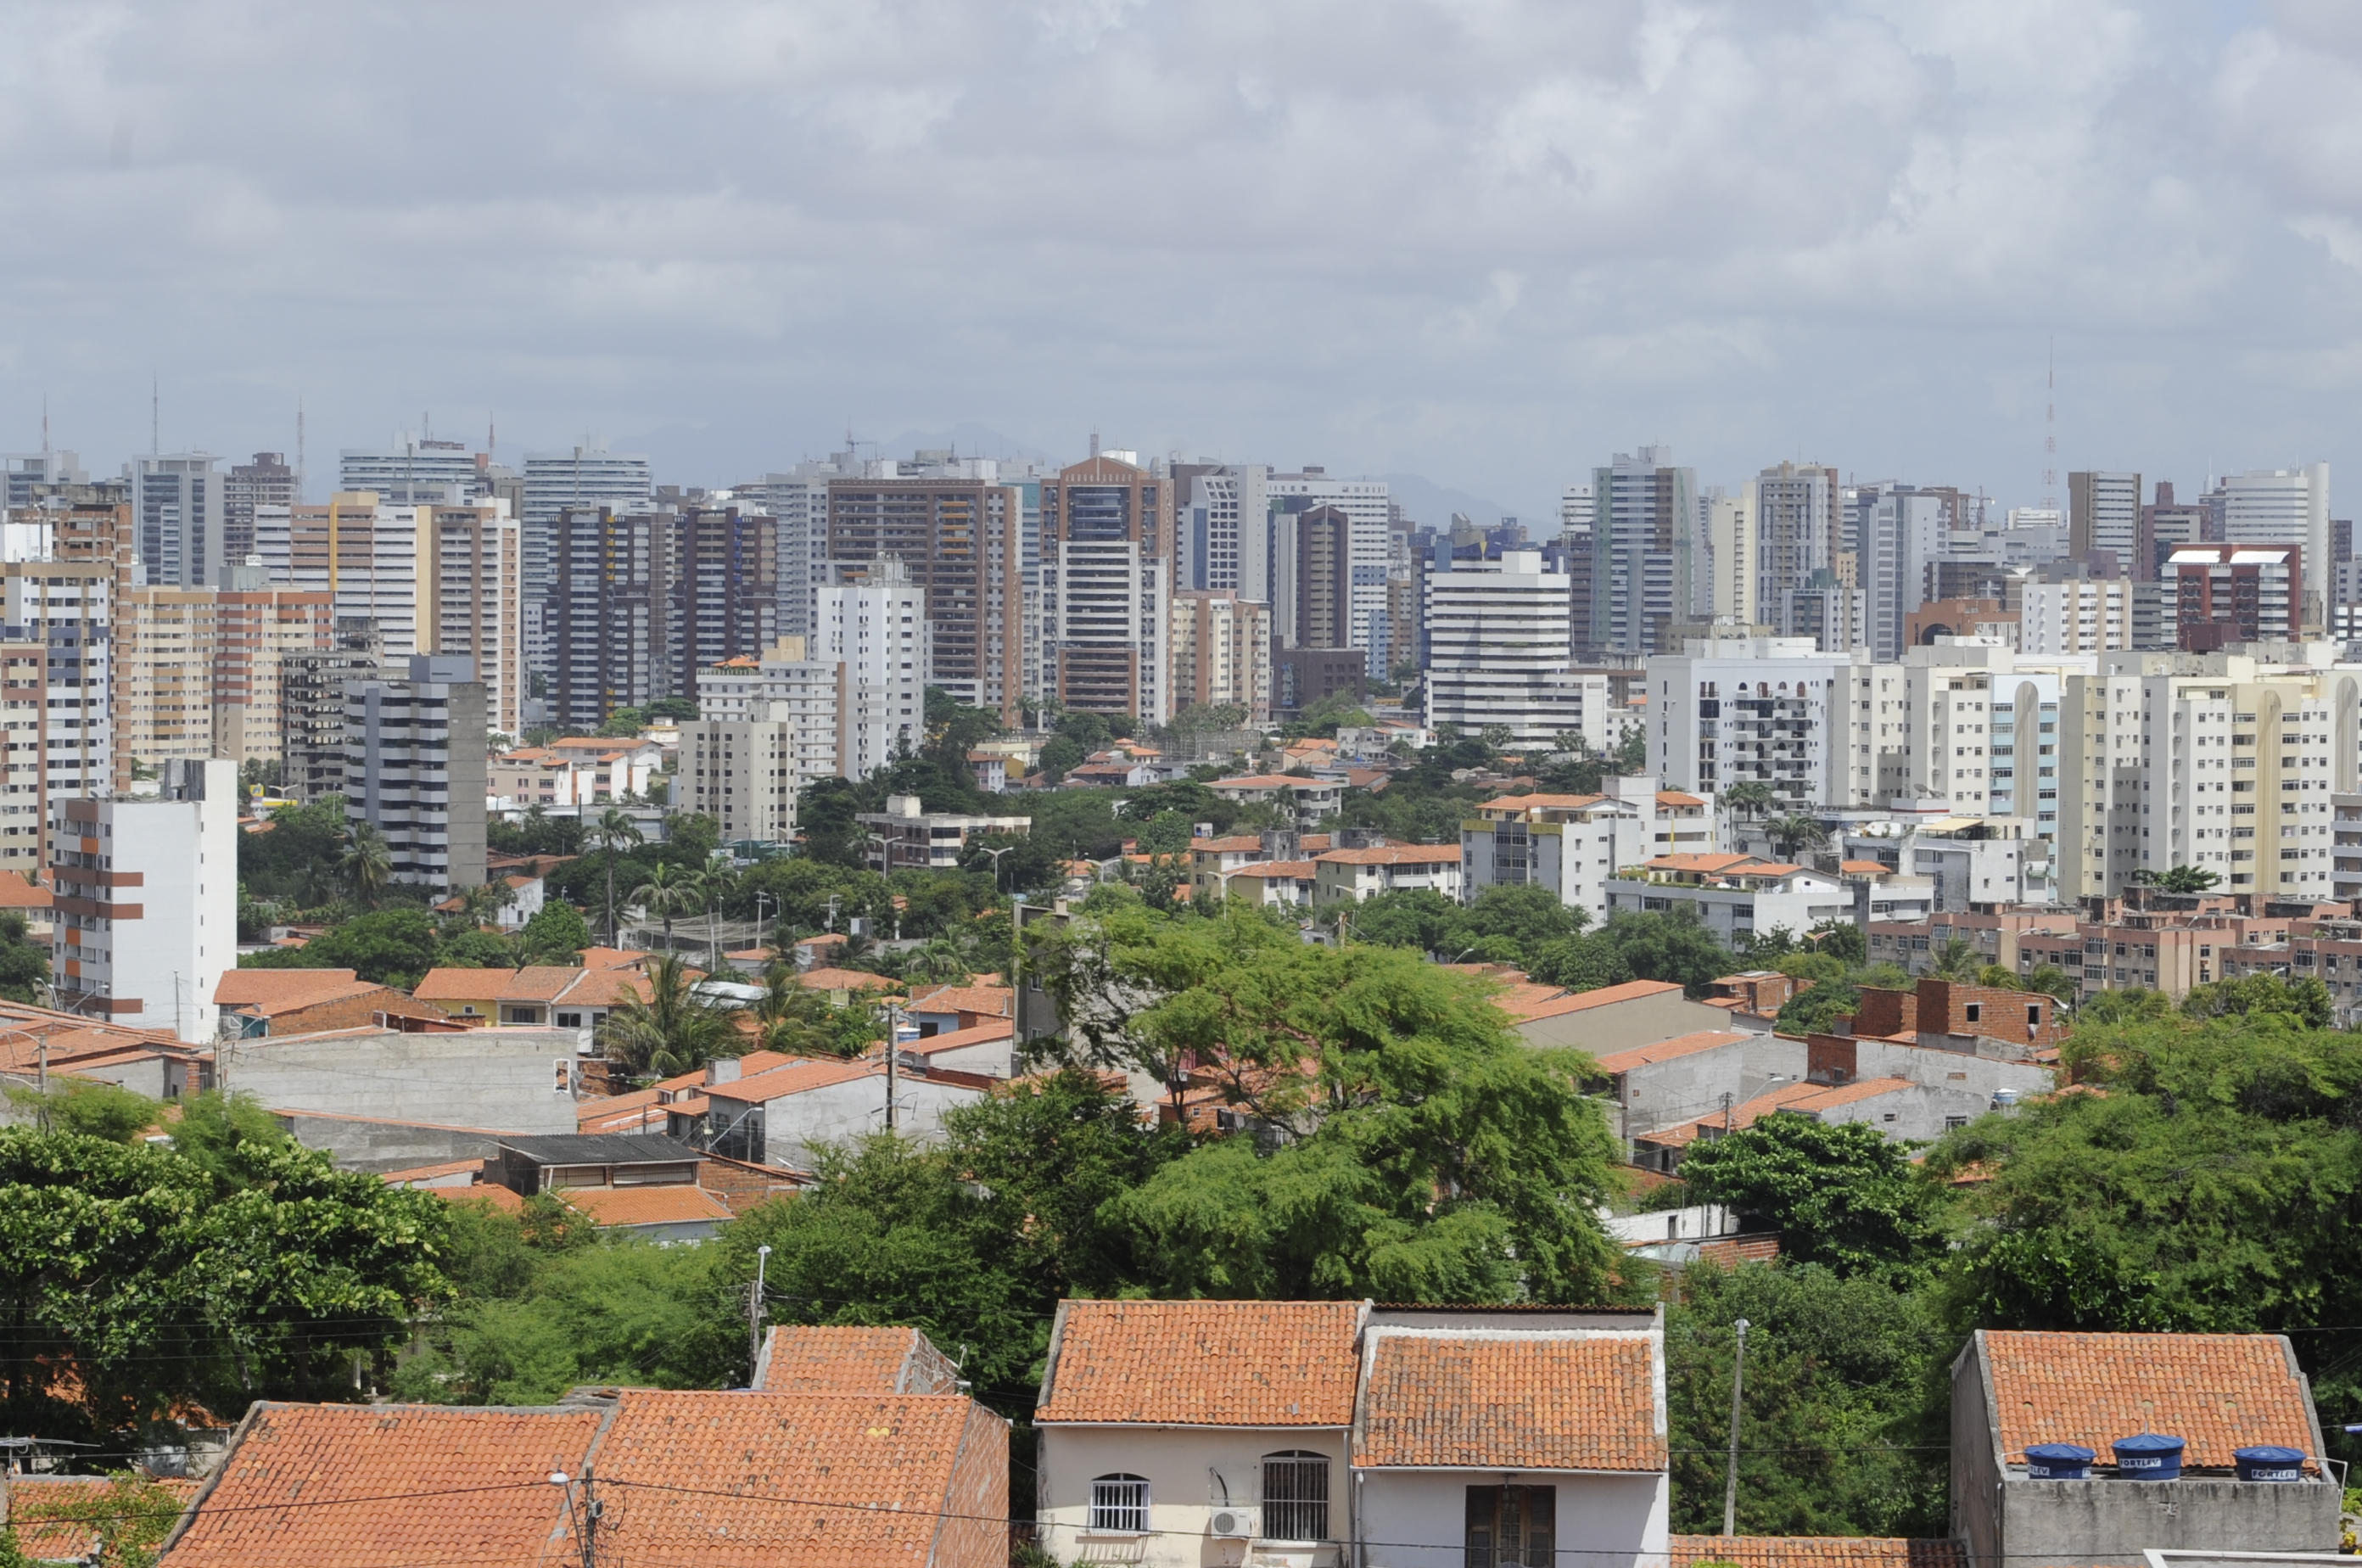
{"x":1119,"y":1502}
{"x":1295,"y":1495}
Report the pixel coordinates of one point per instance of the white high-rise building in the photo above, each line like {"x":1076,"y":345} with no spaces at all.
{"x":1224,"y":528}
{"x":1647,"y":574}
{"x":2284,"y":506}
{"x":177,"y":518}
{"x":22,"y":472}
{"x":1370,"y":507}
{"x":2079,"y":616}
{"x":1772,"y":710}
{"x":1497,"y":653}
{"x":1578,"y":508}
{"x":1902,"y":531}
{"x":147,"y":900}
{"x":878,"y":632}
{"x":588,"y":475}
{"x":1730,"y":538}
{"x":410,"y":469}
{"x":798,"y":500}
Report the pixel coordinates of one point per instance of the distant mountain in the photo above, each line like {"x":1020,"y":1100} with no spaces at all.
{"x":1431,"y":504}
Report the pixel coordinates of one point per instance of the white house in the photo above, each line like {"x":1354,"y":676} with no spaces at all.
{"x":1337,"y":1434}
{"x":1735,"y":895}
{"x":778,"y":1117}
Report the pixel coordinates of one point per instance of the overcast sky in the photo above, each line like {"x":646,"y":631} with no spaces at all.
{"x":1487,"y":241}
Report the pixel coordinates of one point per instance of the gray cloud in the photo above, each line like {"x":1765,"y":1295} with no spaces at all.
{"x":1486,"y":240}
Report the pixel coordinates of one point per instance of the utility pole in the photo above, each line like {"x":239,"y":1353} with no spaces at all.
{"x":893,"y":1048}
{"x":755,"y":1315}
{"x":1730,"y":1478}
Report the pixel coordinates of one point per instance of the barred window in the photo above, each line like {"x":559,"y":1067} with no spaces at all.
{"x":1120,"y":1503}
{"x":1295,"y":1496}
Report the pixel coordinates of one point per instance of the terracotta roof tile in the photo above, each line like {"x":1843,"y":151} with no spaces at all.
{"x":797,"y":1078}
{"x":998,"y":1001}
{"x":622,"y":1206}
{"x":820,"y":979}
{"x":274,"y":990}
{"x":826,"y":1360}
{"x":2218,"y":1392}
{"x":1524,"y":1006}
{"x":1237,"y":844}
{"x":35,"y":1501}
{"x":539,"y":982}
{"x":499,"y":1196}
{"x":16,"y":893}
{"x":290,"y":1495}
{"x":1666,"y":1050}
{"x":606,"y":987}
{"x":458,"y":985}
{"x":1570,"y":1401}
{"x":1677,"y":798}
{"x":1395,"y":854}
{"x":1816,"y":1552}
{"x":1279,"y":870}
{"x":1270,"y":781}
{"x":1540,"y":803}
{"x":1223,"y":1364}
{"x":418,"y":1173}
{"x":984,"y":1033}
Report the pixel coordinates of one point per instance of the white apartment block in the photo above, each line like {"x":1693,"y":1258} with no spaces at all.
{"x":2083,"y":616}
{"x":1224,"y":527}
{"x":877,"y":631}
{"x":1575,"y":845}
{"x":1731,"y":532}
{"x":1497,"y":653}
{"x":1902,"y":531}
{"x":2103,"y":513}
{"x":177,"y":518}
{"x":1577,"y":508}
{"x":1370,"y":508}
{"x":2284,"y":506}
{"x":1646,"y":575}
{"x":66,"y":608}
{"x":146,"y":918}
{"x":1775,"y":710}
{"x":2212,"y":760}
{"x":410,"y":469}
{"x":742,"y":774}
{"x":799,"y":500}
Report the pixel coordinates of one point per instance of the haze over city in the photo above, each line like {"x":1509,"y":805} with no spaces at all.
{"x":1487,"y":244}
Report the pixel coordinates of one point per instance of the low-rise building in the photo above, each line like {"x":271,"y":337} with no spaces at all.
{"x":538,"y":995}
{"x":1352,"y":875}
{"x":1948,"y":1015}
{"x":1575,"y":845}
{"x":1612,"y":1018}
{"x":1735,"y":895}
{"x":781,"y":1116}
{"x":905,"y":836}
{"x":305,"y":1001}
{"x":1330,"y":1433}
{"x":1313,"y":799}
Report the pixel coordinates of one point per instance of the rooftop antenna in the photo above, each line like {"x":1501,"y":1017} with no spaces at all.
{"x":1094,"y":442}
{"x":299,"y":449}
{"x":2050,"y":433}
{"x":492,"y":434}
{"x":45,"y":425}
{"x":155,"y":414}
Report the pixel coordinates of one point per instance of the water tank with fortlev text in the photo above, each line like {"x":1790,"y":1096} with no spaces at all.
{"x":2058,"y":1462}
{"x":2269,"y":1462}
{"x":2149,"y":1457}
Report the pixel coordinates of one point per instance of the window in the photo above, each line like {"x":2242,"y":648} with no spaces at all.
{"x":1295,"y":1496}
{"x":1973,"y":1012}
{"x":1512,"y":1526}
{"x":1120,"y":1503}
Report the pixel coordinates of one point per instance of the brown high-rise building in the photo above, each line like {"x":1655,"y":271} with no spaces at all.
{"x":961,"y":539}
{"x":266,"y":481}
{"x":1324,"y":578}
{"x":1106,"y":564}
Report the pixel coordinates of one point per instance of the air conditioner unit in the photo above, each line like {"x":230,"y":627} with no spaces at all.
{"x":1235,"y":1523}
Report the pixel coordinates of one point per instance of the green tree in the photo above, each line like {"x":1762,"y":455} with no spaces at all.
{"x":672,"y":1029}
{"x":1845,"y":1419}
{"x":625,"y":724}
{"x":669,"y":891}
{"x":1841,"y":1194}
{"x":24,"y":963}
{"x":2186,"y":879}
{"x":1580,"y":964}
{"x":555,"y":934}
{"x":129,"y":1518}
{"x":88,"y":1110}
{"x":296,"y":857}
{"x":1839,"y":939}
{"x":680,"y":710}
{"x":1957,"y":960}
{"x":388,"y":947}
{"x":615,"y":832}
{"x":1794,"y":834}
{"x":2305,"y":1003}
{"x":366,"y":863}
{"x":1674,"y":947}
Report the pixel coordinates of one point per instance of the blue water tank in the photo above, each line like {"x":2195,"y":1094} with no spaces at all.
{"x":2269,"y":1462}
{"x":2060,"y":1462}
{"x":2149,"y":1457}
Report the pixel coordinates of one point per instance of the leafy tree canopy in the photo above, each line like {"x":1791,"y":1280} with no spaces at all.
{"x":1840,"y":1194}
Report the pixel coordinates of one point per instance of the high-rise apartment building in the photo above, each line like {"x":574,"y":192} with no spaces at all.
{"x":415,"y":758}
{"x":1797,"y":530}
{"x":178,"y":509}
{"x":411,"y":471}
{"x":1902,"y":530}
{"x":1498,"y":653}
{"x":59,"y":596}
{"x":2103,"y":513}
{"x":2225,"y":594}
{"x":26,"y":475}
{"x":1370,"y":508}
{"x":23,"y":731}
{"x":1221,"y":653}
{"x":961,"y":540}
{"x":255,"y":631}
{"x":1646,"y":574}
{"x":1224,"y":528}
{"x":2075,"y":614}
{"x":312,"y":706}
{"x":1732,"y":542}
{"x":1778,"y":711}
{"x":1577,"y":509}
{"x":1319,"y":609}
{"x":744,"y":774}
{"x":2212,"y":760}
{"x":584,"y":476}
{"x":2284,"y":506}
{"x":1107,"y":531}
{"x":146,"y":915}
{"x":163,"y":657}
{"x":2166,"y":526}
{"x":797,"y":504}
{"x":875,"y":631}
{"x":266,"y":481}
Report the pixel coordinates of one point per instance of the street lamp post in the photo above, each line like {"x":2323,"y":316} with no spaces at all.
{"x":1730,"y":1476}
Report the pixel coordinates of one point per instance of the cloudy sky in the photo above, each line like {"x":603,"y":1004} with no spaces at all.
{"x":1487,"y":241}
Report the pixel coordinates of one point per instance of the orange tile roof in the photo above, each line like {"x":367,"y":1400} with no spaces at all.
{"x":622,"y":1206}
{"x":2218,"y":1392}
{"x":1866,"y":867}
{"x":539,"y":982}
{"x":36,"y":1502}
{"x":997,"y":1000}
{"x":828,"y":1360}
{"x":612,"y":957}
{"x":1272,"y":870}
{"x":458,"y":985}
{"x":306,"y":1486}
{"x":1237,"y":844}
{"x":1703,"y":863}
{"x":428,"y":1172}
{"x":798,"y":1078}
{"x":276,"y":990}
{"x":953,"y":1039}
{"x":743,"y":1480}
{"x":1270,"y":781}
{"x":1816,"y":1552}
{"x":1677,"y":798}
{"x":830,"y":979}
{"x":499,"y":1196}
{"x":1222,"y":1364}
{"x":606,"y":987}
{"x":16,"y":893}
{"x":1666,"y":1050}
{"x":1523,"y":1006}
{"x":1581,"y":1401}
{"x":1395,"y":854}
{"x":1540,"y":803}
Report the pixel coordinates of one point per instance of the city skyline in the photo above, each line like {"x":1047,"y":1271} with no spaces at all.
{"x":1488,"y":247}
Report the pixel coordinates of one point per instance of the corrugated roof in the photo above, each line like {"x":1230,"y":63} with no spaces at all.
{"x":1578,"y":1401}
{"x":1225,"y":1364}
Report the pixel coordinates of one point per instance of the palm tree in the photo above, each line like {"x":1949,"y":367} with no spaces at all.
{"x":671,"y":1030}
{"x":367,"y":864}
{"x":1957,"y":960}
{"x":667,"y":892}
{"x":615,"y":827}
{"x":940,"y":959}
{"x":1795,"y":831}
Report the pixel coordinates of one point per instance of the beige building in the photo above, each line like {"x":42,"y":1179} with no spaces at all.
{"x":1221,"y":653}
{"x":163,"y":671}
{"x":254,"y":631}
{"x":742,"y":774}
{"x":2082,"y":615}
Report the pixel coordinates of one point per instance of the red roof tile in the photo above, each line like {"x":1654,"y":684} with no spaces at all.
{"x":821,"y":979}
{"x":36,"y":1502}
{"x":1666,"y":1050}
{"x":1585,"y":1401}
{"x":275,"y":990}
{"x":1395,"y":854}
{"x":1524,"y":1006}
{"x":1816,"y":1552}
{"x":681,"y":1204}
{"x":998,"y":1001}
{"x":1222,"y":1364}
{"x":828,"y":1360}
{"x":334,"y":1486}
{"x":2217,"y":1392}
{"x":16,"y":893}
